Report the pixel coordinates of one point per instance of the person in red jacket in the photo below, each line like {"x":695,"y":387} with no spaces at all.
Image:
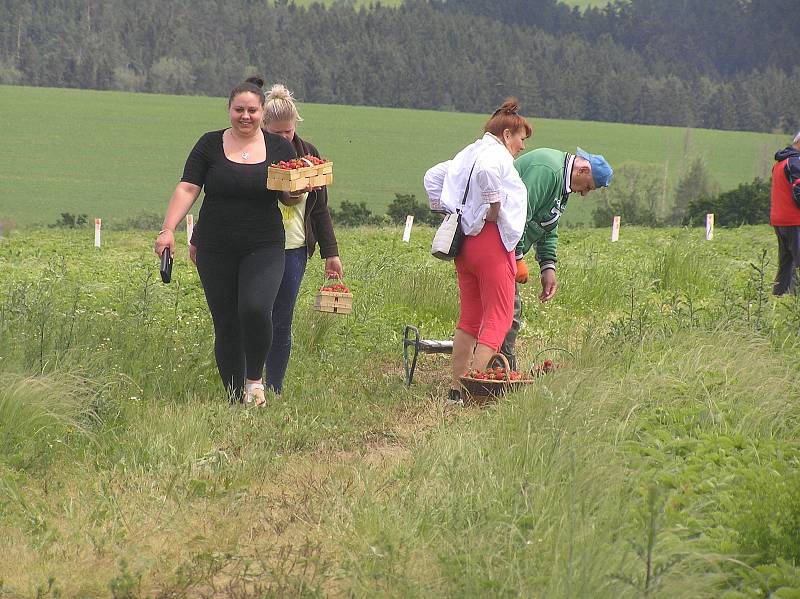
{"x":784,"y":214}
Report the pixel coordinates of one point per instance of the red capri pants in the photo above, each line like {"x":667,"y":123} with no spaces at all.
{"x":486,"y":274}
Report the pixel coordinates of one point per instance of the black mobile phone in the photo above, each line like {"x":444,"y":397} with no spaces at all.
{"x":166,"y":265}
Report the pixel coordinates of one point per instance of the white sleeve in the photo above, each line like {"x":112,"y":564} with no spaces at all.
{"x":488,"y":177}
{"x":434,"y":182}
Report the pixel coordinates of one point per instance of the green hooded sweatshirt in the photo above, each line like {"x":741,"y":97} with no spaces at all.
{"x":545,"y":174}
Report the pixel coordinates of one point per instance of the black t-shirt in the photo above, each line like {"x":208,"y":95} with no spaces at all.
{"x":239,"y":213}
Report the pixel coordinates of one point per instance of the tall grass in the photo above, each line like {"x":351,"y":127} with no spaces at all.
{"x":42,"y":417}
{"x":556,"y":493}
{"x":629,"y":472}
{"x":682,"y":269}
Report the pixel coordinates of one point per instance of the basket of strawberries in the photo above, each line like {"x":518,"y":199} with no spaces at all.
{"x":493,"y":382}
{"x":299,"y":173}
{"x":334,"y":297}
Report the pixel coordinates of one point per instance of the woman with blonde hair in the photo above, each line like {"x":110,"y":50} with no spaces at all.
{"x":307,"y":224}
{"x":482,"y":177}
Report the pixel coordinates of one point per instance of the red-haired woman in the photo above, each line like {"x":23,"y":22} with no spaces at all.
{"x":492,"y":217}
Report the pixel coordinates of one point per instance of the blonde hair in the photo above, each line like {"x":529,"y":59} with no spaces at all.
{"x":280,"y":105}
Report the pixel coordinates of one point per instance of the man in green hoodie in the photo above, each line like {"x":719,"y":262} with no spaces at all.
{"x":550,"y":176}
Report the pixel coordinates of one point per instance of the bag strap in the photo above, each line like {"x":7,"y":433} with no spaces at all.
{"x":466,"y":190}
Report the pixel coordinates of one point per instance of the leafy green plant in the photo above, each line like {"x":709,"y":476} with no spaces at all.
{"x":71,"y":221}
{"x":405,"y":204}
{"x":143,"y":221}
{"x":747,"y":204}
{"x":757,"y":291}
{"x":780,"y":580}
{"x":768,"y":518}
{"x":654,"y":567}
{"x":51,"y":590}
{"x":352,"y":214}
{"x":126,"y":585}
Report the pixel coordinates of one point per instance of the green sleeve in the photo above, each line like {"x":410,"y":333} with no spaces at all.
{"x":546,"y":247}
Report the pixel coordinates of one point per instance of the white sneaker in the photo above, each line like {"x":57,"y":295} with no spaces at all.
{"x":254,"y":394}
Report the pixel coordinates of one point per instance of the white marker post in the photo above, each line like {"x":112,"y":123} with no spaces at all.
{"x":407,"y":231}
{"x":189,"y":228}
{"x":97,"y":225}
{"x":615,"y":229}
{"x":709,"y":226}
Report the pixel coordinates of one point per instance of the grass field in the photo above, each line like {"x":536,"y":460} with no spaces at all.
{"x":586,"y":3}
{"x":366,"y":3}
{"x":113,"y":154}
{"x":661,"y":461}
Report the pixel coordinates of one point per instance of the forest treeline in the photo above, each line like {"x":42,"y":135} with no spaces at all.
{"x":698,"y":37}
{"x":724,"y":64}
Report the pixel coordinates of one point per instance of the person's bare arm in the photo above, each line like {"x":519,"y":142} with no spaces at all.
{"x":182,"y":200}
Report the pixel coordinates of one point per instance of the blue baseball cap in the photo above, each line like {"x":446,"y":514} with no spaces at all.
{"x":601,"y":170}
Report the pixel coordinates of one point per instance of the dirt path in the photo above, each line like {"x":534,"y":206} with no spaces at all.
{"x":286,"y":538}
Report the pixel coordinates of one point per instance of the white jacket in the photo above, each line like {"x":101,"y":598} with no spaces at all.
{"x":494,"y":179}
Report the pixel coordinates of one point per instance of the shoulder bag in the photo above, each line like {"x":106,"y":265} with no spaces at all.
{"x":449,"y":236}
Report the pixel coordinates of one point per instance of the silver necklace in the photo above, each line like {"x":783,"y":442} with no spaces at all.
{"x":245,"y":154}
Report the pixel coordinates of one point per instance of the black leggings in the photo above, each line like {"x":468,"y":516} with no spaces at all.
{"x":240,"y":291}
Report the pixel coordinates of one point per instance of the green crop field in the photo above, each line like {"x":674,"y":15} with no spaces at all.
{"x":114,"y":154}
{"x":587,"y":3}
{"x":661,"y":460}
{"x":366,"y":3}
{"x":354,"y":3}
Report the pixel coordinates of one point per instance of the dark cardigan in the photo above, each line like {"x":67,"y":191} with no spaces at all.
{"x":317,"y":218}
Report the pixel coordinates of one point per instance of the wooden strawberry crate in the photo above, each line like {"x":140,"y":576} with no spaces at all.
{"x":334,"y":296}
{"x":335,"y":302}
{"x":296,"y":179}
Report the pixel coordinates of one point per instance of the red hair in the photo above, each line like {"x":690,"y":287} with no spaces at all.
{"x":507,"y":117}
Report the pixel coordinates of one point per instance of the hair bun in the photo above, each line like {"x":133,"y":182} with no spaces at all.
{"x":510,"y":106}
{"x":279,"y":105}
{"x":280,"y":92}
{"x":255,"y":80}
{"x":507,"y":117}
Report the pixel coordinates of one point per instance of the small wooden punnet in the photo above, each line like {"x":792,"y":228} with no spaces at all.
{"x":334,"y":302}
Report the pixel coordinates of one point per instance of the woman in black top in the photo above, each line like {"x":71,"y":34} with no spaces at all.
{"x":239,"y":236}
